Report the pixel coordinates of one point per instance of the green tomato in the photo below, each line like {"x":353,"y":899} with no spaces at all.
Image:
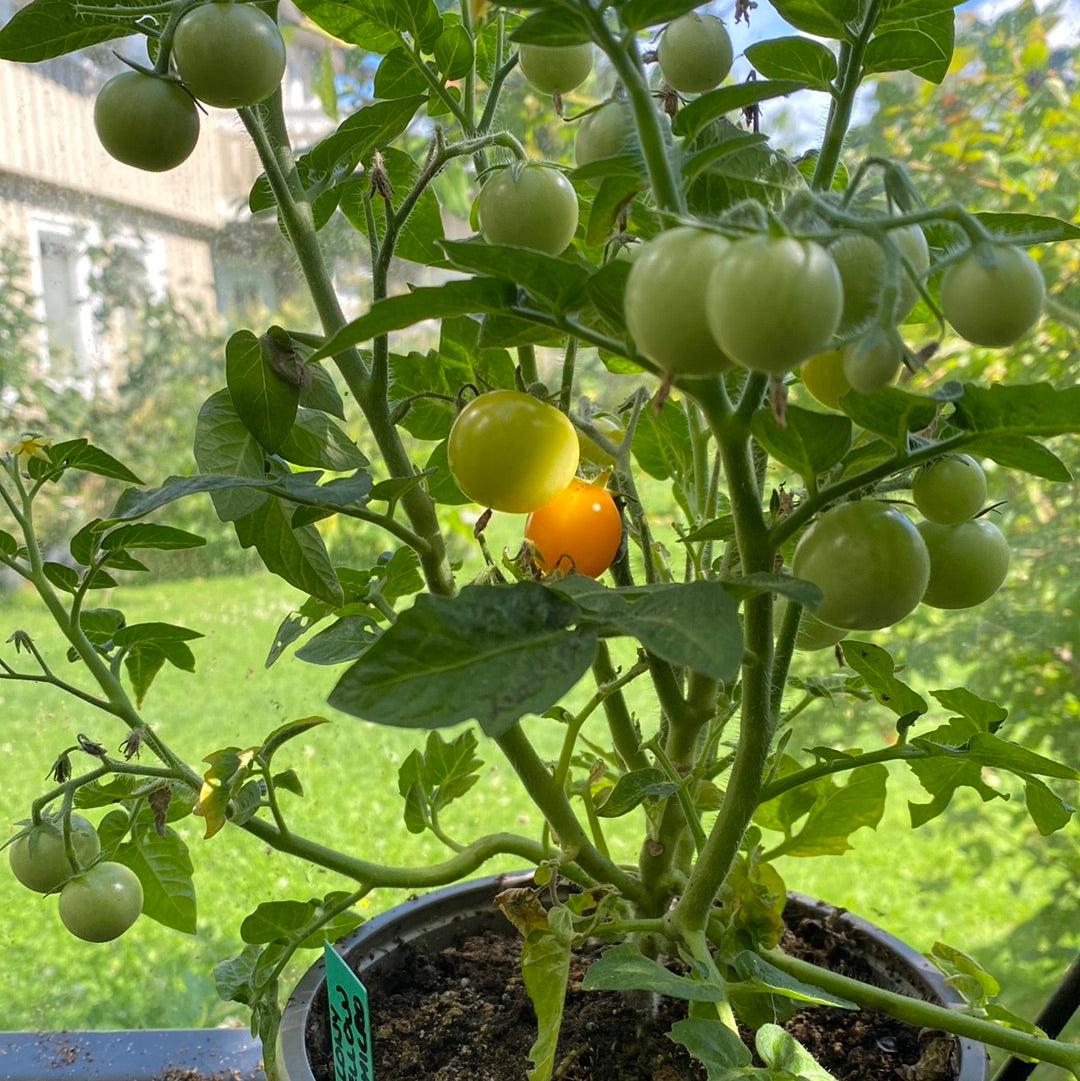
{"x":101,"y":903}
{"x":38,"y":858}
{"x":694,"y":53}
{"x":950,"y":490}
{"x":605,"y":133}
{"x":512,"y":452}
{"x":555,"y":69}
{"x":968,"y":562}
{"x":229,"y":54}
{"x":147,"y":121}
{"x":823,"y":376}
{"x":873,"y":361}
{"x":534,"y":207}
{"x":862,"y":263}
{"x":868,"y":560}
{"x":993,"y":305}
{"x":665,"y":300}
{"x":812,"y":634}
{"x":771,"y":302}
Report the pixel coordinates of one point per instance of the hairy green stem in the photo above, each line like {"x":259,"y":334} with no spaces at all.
{"x":928,"y":1015}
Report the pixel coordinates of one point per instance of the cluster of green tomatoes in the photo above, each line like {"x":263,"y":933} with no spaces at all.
{"x":225,"y":54}
{"x":99,"y":899}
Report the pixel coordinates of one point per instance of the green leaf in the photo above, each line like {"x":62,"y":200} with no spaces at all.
{"x":79,"y":454}
{"x":314,"y":440}
{"x":263,"y":400}
{"x":100,"y":624}
{"x":454,"y":52}
{"x":283,"y":733}
{"x":839,"y":810}
{"x":809,"y":443}
{"x":783,"y":1052}
{"x":150,"y":535}
{"x":876,"y":668}
{"x":224,"y":445}
{"x":634,"y":788}
{"x":712,"y":1043}
{"x":890,"y":412}
{"x":693,"y":625}
{"x":1048,"y":811}
{"x":553,"y":26}
{"x":297,"y":555}
{"x":493,"y":654}
{"x":618,"y":186}
{"x":661,"y":444}
{"x":798,"y":58}
{"x":907,"y":50}
{"x":639,"y":14}
{"x":989,"y":750}
{"x":134,"y":633}
{"x":397,"y":76}
{"x":734,"y":142}
{"x":165,"y":873}
{"x":61,"y":576}
{"x":822,"y":18}
{"x":1020,"y":452}
{"x":431,"y":780}
{"x":693,"y":118}
{"x":1035,"y":409}
{"x":1042,"y":227}
{"x":625,"y":968}
{"x":276,"y":921}
{"x":428,"y":302}
{"x":755,"y":970}
{"x":559,"y":283}
{"x":47,"y":28}
{"x":344,"y":640}
{"x":359,"y":23}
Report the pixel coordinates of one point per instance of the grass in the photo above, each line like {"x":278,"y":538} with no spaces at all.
{"x":917,"y":884}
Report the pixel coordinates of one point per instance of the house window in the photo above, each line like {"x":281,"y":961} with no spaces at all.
{"x":63,"y":311}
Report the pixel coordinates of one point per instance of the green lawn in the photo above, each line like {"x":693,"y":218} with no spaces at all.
{"x":918,"y":884}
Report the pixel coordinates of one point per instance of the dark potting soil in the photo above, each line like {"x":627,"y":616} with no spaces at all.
{"x":462,"y":1014}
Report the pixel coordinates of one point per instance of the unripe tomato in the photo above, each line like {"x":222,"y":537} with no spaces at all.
{"x":148,"y":121}
{"x":823,"y":376}
{"x":812,"y":634}
{"x":868,"y":560}
{"x":771,"y":302}
{"x":861,"y":261}
{"x":101,"y":903}
{"x":590,"y":450}
{"x":534,"y":207}
{"x":605,"y":133}
{"x":555,"y":69}
{"x":511,"y":452}
{"x":873,"y":361}
{"x":579,"y":530}
{"x":39,"y":860}
{"x":993,"y":305}
{"x":950,"y":490}
{"x":229,"y":54}
{"x":968,"y":562}
{"x":694,"y":53}
{"x":664,"y":300}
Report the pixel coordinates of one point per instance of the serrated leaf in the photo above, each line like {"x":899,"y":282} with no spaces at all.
{"x":47,"y":28}
{"x":876,"y":667}
{"x":493,"y":654}
{"x":165,"y":873}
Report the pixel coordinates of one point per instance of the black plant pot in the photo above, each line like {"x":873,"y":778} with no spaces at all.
{"x":445,"y":916}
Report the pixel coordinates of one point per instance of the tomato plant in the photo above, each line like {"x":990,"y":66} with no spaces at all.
{"x":950,"y":490}
{"x":511,"y":452}
{"x":870,"y":562}
{"x":555,"y":69}
{"x":38,"y":858}
{"x":993,"y":295}
{"x":603,"y":133}
{"x":812,"y":634}
{"x":530,"y":207}
{"x":101,"y":903}
{"x":665,"y":300}
{"x":148,"y":121}
{"x":579,"y":530}
{"x":968,"y":562}
{"x":694,"y":53}
{"x":591,"y":451}
{"x":229,"y":54}
{"x":760,"y":277}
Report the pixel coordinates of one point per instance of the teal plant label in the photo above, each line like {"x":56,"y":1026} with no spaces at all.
{"x":350,"y":1024}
